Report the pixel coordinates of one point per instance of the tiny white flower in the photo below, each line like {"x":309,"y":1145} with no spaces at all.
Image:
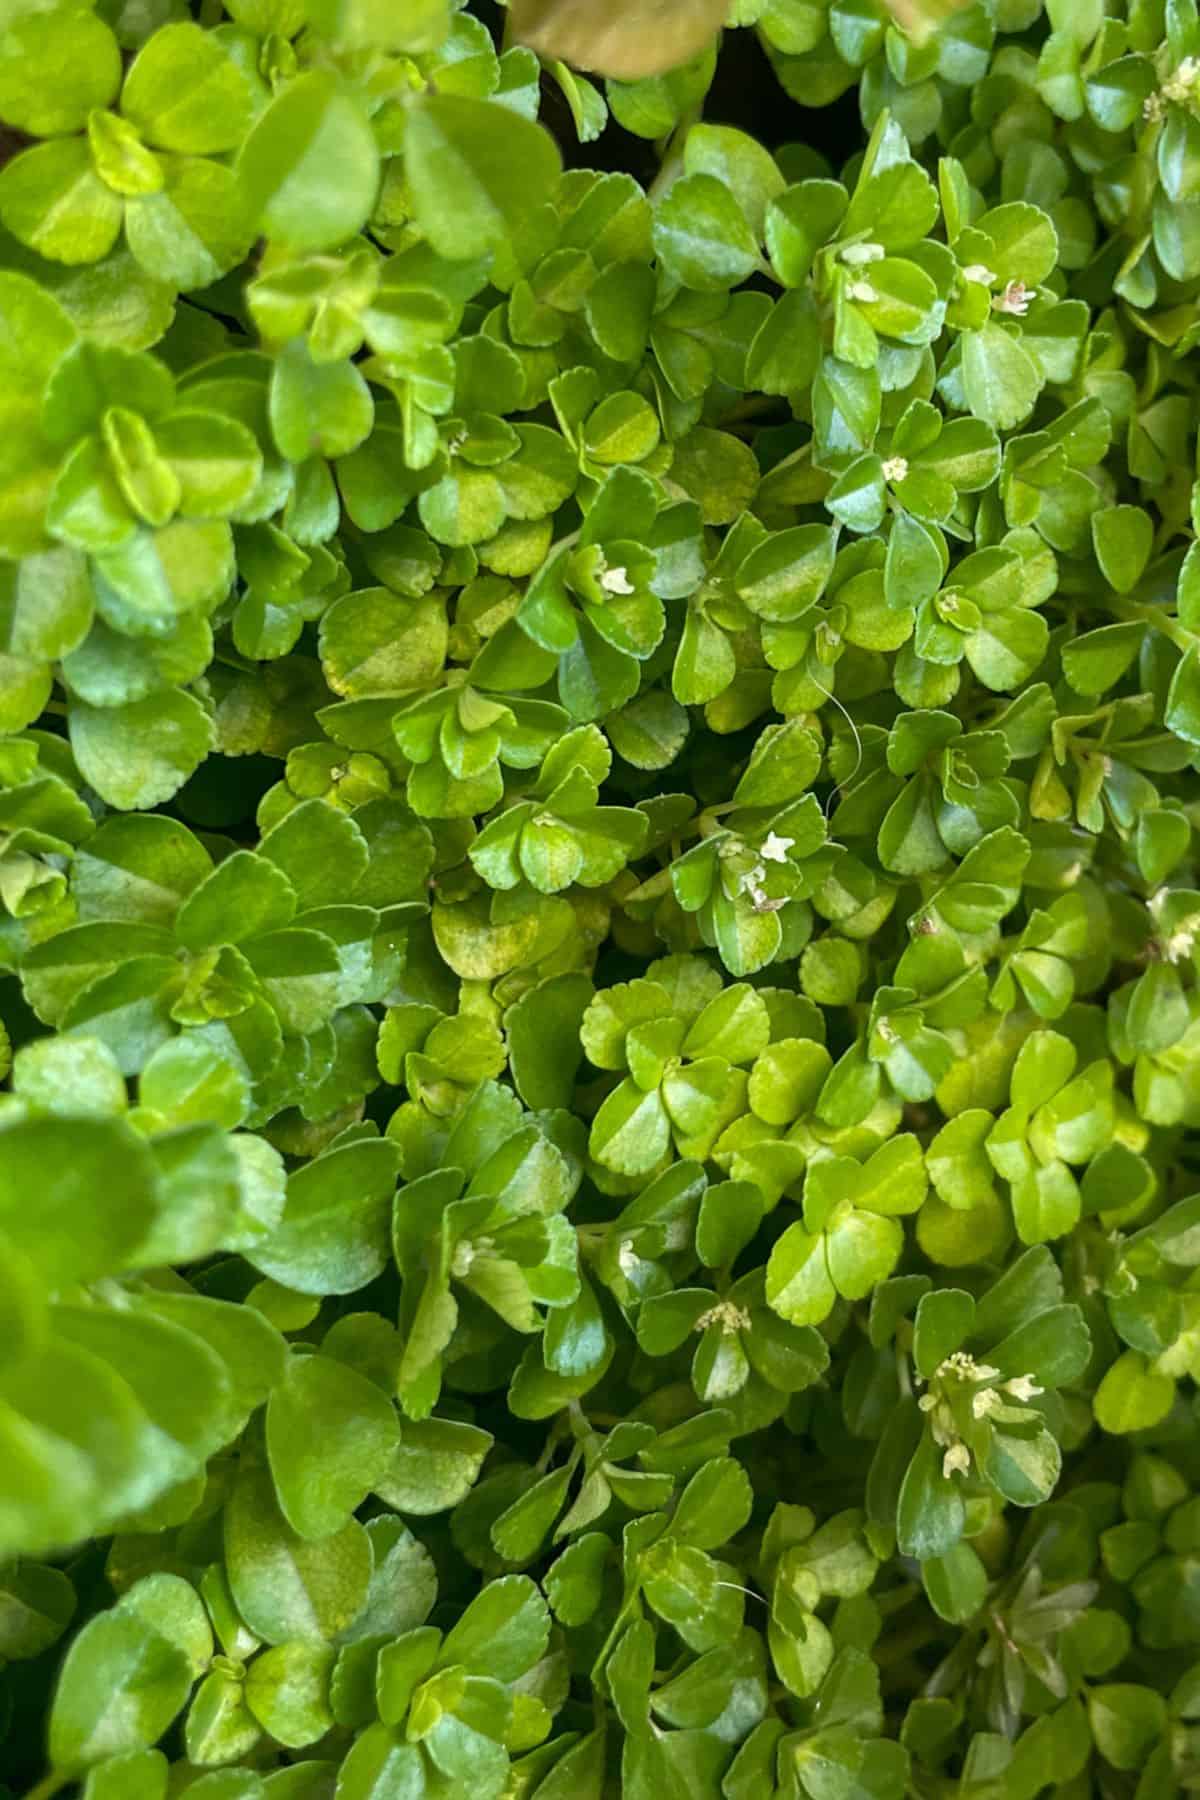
{"x":980,"y":273}
{"x":984,"y":1402}
{"x":1014,"y":300}
{"x":862,"y":291}
{"x":464,"y":1256}
{"x":895,"y":468}
{"x":957,"y":1461}
{"x":985,"y":1372}
{"x":927,"y":1402}
{"x":616,"y":581}
{"x":775,"y":848}
{"x":627,"y":1257}
{"x":857,"y":255}
{"x":1023,"y":1388}
{"x":1179,"y":945}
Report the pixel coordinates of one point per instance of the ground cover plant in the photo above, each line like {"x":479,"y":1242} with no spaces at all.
{"x":599,"y":908}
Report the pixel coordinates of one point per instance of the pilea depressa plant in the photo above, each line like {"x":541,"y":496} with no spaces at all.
{"x":599,"y":900}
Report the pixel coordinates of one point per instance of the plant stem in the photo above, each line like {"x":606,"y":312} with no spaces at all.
{"x":627,"y":1608}
{"x":672,"y":162}
{"x":49,"y":1784}
{"x":1137,"y":612}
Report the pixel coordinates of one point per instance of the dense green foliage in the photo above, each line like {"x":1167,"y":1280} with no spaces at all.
{"x":599,"y":908}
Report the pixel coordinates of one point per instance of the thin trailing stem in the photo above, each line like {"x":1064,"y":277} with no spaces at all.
{"x":50,"y":1784}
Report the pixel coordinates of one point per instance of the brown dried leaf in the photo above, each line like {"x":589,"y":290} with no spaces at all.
{"x":630,"y":39}
{"x":625,"y":39}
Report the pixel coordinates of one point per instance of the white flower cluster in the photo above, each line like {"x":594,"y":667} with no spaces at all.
{"x":774,"y":848}
{"x":1177,"y":945}
{"x":962,"y":1367}
{"x":861,"y":256}
{"x":1013,"y":298}
{"x":857,"y":256}
{"x":1180,"y":88}
{"x":729,"y":1317}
